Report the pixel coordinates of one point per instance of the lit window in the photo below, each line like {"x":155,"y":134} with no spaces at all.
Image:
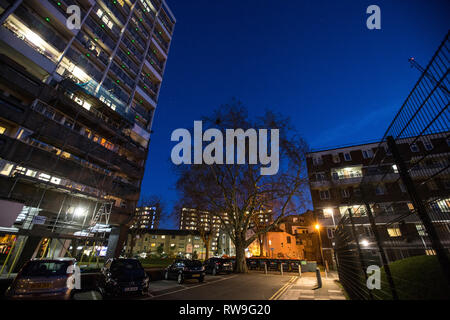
{"x":44,"y":176}
{"x":394,"y":167}
{"x":2,"y":130}
{"x":5,"y":168}
{"x":410,"y":206}
{"x":421,"y":230}
{"x":394,"y":232}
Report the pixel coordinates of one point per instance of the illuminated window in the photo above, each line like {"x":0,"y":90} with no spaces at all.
{"x":2,"y":130}
{"x":394,"y":232}
{"x":5,"y":168}
{"x":421,"y":230}
{"x":410,"y":206}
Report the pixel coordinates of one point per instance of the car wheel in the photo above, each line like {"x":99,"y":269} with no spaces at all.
{"x":180,"y":278}
{"x":201,"y":279}
{"x":166,"y":275}
{"x":214,"y":271}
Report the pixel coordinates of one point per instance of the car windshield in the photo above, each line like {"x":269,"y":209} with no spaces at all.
{"x":127,"y":266}
{"x":45,"y":268}
{"x":193,"y":263}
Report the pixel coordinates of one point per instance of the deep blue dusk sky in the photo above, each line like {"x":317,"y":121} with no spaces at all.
{"x":314,"y":61}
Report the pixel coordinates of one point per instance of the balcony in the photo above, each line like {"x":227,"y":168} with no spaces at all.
{"x":164,"y":44}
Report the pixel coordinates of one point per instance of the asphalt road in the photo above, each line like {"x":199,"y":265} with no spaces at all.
{"x":249,"y":286}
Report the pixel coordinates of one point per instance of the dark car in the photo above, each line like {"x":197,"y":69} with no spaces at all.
{"x":218,"y":265}
{"x":121,"y":276}
{"x":272,"y":264}
{"x":182,"y":269}
{"x":47,"y":278}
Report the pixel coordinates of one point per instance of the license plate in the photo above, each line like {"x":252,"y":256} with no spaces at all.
{"x":130,"y":289}
{"x":40,"y":285}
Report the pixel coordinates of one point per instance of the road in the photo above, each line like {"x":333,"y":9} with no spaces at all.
{"x":250,"y":286}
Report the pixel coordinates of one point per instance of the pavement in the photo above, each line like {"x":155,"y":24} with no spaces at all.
{"x":306,"y":288}
{"x":249,"y":286}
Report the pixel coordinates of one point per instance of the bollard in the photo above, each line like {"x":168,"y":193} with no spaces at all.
{"x":319,"y":279}
{"x":299,"y":271}
{"x":265,"y":267}
{"x":326,"y":274}
{"x":281,"y":268}
{"x":326,"y":266}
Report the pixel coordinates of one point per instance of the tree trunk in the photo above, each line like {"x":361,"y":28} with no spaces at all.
{"x":241,"y":264}
{"x":207,"y":250}
{"x":261,"y":245}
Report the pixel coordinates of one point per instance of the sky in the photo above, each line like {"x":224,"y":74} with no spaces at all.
{"x":313,"y":61}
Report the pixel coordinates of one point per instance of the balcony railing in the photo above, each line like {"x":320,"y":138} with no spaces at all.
{"x":161,"y":40}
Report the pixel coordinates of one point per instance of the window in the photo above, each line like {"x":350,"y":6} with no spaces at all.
{"x":414,"y":147}
{"x":401,"y":186}
{"x":320,"y":176}
{"x":421,"y":230}
{"x":345,"y":193}
{"x":367,"y":154}
{"x":325,"y":194}
{"x":410,"y":206}
{"x":386,"y":208}
{"x":288,"y":239}
{"x":330,"y":233}
{"x":428,"y":145}
{"x":380,"y":190}
{"x":336,"y":158}
{"x":346,"y":173}
{"x":317,"y":161}
{"x":394,"y":168}
{"x":394,"y":232}
{"x":347,"y":156}
{"x":387,"y":151}
{"x":2,"y":130}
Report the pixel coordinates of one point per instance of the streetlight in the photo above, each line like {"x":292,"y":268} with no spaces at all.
{"x":317,"y":227}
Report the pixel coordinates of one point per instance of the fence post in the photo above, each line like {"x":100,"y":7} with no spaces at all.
{"x":281,"y":268}
{"x":299,"y":270}
{"x":421,"y":210}
{"x":384,"y":260}
{"x":265,"y":267}
{"x":358,"y":248}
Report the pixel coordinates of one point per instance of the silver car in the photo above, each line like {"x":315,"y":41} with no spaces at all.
{"x":46,"y":279}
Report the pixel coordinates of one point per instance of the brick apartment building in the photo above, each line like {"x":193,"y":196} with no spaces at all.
{"x":76,"y":112}
{"x":335,"y":176}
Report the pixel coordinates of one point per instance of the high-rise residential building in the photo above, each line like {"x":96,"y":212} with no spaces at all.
{"x":335,"y":177}
{"x":146,"y":218}
{"x":202,"y":221}
{"x":76,"y":110}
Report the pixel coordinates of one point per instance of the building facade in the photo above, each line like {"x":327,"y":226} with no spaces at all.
{"x":335,"y":176}
{"x":76,"y":111}
{"x":146,"y":218}
{"x":172,"y":243}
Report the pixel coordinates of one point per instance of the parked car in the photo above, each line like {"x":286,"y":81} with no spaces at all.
{"x":123,"y":276}
{"x":272,"y":265}
{"x":46,"y":279}
{"x":252,"y":264}
{"x":218,"y":265}
{"x":182,"y":269}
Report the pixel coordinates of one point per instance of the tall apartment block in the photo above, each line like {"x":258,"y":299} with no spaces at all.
{"x":76,"y":111}
{"x":146,"y":218}
{"x":202,"y":221}
{"x":335,"y":176}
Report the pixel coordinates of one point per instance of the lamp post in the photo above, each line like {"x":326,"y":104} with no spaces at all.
{"x":317,"y":226}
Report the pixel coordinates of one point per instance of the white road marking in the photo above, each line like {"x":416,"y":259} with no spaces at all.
{"x":187,"y":288}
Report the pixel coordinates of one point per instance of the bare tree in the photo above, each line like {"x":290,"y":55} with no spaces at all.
{"x":240,"y":190}
{"x":152,"y":201}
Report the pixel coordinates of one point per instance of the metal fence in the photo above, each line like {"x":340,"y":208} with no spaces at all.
{"x":399,"y":217}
